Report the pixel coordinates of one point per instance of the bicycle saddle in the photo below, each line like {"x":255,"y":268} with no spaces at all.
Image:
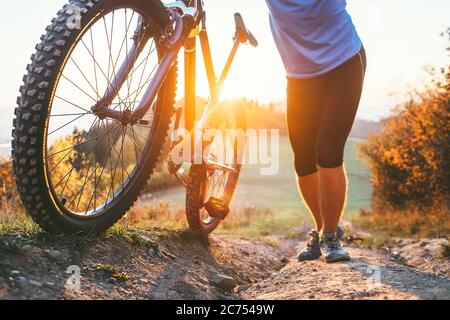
{"x":242,"y":32}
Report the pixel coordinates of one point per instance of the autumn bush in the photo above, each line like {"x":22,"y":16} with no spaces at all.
{"x":10,"y":205}
{"x":409,"y":161}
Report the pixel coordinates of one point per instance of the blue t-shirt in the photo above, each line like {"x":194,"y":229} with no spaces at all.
{"x":313,"y":36}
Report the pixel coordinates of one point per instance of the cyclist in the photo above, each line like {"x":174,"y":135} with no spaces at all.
{"x":325,"y":64}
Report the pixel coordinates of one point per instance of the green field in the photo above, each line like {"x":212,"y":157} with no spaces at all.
{"x":279,"y":192}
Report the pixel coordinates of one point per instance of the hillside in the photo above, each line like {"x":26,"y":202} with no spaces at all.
{"x":157,"y":264}
{"x":259,"y":116}
{"x":362,"y":129}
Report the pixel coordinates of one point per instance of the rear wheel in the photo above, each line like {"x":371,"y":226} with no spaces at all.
{"x":210,"y":191}
{"x":76,"y":172}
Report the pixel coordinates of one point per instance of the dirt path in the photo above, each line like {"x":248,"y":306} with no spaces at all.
{"x":370,"y":275}
{"x":156,"y":264}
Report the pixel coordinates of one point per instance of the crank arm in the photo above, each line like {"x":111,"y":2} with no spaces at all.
{"x":215,"y":166}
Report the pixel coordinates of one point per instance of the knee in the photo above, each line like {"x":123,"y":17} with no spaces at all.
{"x":330,"y":155}
{"x":305,"y":164}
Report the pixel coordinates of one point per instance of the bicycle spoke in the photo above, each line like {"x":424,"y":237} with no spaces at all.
{"x":73,"y":104}
{"x":134,"y":143}
{"x":65,"y":125}
{"x":134,"y":59}
{"x":89,"y":167}
{"x":80,"y":192}
{"x":69,"y":114}
{"x":95,"y":66}
{"x":114,"y":176}
{"x":79,"y":88}
{"x":142,"y":74}
{"x":72,"y":147}
{"x":109,"y":38}
{"x":84,"y":76}
{"x":149,"y":79}
{"x":73,"y":168}
{"x":70,"y":175}
{"x":121,"y":152}
{"x":100,"y":68}
{"x":88,"y":179}
{"x":133,"y":139}
{"x":140,"y":136}
{"x":126,"y":49}
{"x":110,"y":159}
{"x":94,"y":195}
{"x":123,"y":42}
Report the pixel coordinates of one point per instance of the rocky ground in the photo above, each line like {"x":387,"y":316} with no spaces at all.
{"x":370,"y":275}
{"x":157,"y":264}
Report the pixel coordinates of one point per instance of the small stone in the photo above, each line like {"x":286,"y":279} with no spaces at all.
{"x":225,"y":282}
{"x":242,"y":288}
{"x":35,"y":283}
{"x":197,"y":260}
{"x":26,"y":247}
{"x":424,"y":243}
{"x":284,"y":260}
{"x":54,"y":254}
{"x":112,"y":280}
{"x":22,"y":282}
{"x":15,"y":273}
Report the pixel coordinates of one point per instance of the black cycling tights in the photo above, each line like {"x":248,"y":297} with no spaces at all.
{"x":321,"y":112}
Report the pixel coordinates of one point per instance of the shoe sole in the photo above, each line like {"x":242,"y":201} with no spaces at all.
{"x":337,"y":259}
{"x":309,"y":259}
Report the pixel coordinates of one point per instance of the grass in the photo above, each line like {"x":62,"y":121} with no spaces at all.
{"x":143,"y":227}
{"x":413,"y":222}
{"x":14,"y":233}
{"x":128,"y":234}
{"x":369,"y":242}
{"x":110,"y":271}
{"x":160,"y":214}
{"x":20,"y":227}
{"x":253,"y":222}
{"x":250,"y":221}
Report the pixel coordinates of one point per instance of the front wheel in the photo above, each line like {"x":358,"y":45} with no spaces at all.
{"x":77,"y":172}
{"x":210,"y":189}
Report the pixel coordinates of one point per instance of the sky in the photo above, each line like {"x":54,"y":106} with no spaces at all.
{"x":400,"y":37}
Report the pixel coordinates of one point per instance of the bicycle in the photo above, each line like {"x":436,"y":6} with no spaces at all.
{"x":85,"y":143}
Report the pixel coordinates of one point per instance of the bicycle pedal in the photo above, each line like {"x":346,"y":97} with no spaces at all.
{"x":217,"y":208}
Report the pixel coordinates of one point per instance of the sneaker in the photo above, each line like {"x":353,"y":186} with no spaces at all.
{"x":312,"y":250}
{"x":332,"y":249}
{"x":339,"y":233}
